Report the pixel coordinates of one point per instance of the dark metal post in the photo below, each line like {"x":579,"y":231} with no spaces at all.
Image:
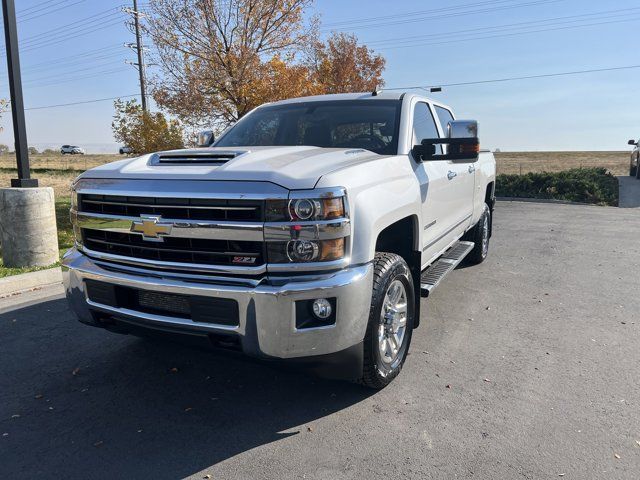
{"x":15,"y":89}
{"x":139,"y":47}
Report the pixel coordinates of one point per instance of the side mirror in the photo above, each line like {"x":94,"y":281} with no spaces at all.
{"x":632,"y":142}
{"x":206,"y":138}
{"x":462,"y":144}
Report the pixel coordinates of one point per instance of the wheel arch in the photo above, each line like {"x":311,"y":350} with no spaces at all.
{"x":402,"y":238}
{"x":490,"y":199}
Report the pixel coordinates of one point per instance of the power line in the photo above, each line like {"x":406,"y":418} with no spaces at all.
{"x":510,"y":79}
{"x":37,"y":5}
{"x":96,"y":100}
{"x":531,"y":23}
{"x":32,"y":15}
{"x":73,"y":30}
{"x":414,"y":13}
{"x":75,"y":78}
{"x":502,"y":35}
{"x":358,"y":24}
{"x":71,"y":73}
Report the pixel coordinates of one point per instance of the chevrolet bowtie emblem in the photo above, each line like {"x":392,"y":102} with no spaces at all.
{"x":151,"y":228}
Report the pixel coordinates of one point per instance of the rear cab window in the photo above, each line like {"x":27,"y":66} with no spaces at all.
{"x":444,"y":117}
{"x":424,"y":125}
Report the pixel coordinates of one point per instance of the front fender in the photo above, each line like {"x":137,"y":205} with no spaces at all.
{"x":380,"y":193}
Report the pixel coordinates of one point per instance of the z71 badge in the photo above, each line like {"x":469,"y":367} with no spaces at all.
{"x":245,"y":260}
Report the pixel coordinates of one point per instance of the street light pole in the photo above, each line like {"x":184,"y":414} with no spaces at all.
{"x":15,"y":89}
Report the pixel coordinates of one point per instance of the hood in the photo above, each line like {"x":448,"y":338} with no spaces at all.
{"x":290,"y":167}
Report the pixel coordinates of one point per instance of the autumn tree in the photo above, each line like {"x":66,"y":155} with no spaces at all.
{"x":216,"y":54}
{"x":222,"y":58}
{"x":341,"y":65}
{"x":145,"y":132}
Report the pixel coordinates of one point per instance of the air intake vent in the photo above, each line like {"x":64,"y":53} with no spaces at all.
{"x":194,"y":158}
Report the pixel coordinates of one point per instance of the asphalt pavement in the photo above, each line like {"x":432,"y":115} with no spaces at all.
{"x":526,"y":366}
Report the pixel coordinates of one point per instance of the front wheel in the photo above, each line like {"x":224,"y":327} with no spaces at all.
{"x":391,"y":320}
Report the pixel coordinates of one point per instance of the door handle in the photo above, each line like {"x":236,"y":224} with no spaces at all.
{"x":451,"y":175}
{"x":472,"y":169}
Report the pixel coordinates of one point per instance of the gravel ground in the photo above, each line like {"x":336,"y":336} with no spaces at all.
{"x":524,"y":367}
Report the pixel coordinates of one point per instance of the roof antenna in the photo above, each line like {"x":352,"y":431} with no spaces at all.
{"x":376,"y":91}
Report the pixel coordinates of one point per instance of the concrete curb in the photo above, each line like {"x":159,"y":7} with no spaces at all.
{"x":16,"y":284}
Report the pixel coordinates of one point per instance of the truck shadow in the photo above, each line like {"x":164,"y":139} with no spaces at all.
{"x":78,"y":402}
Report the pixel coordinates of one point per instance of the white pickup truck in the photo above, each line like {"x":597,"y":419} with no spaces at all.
{"x":309,"y":230}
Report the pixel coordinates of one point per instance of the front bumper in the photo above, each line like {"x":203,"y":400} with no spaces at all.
{"x":267,"y":326}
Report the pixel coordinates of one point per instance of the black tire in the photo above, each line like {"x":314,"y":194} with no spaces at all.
{"x":378,"y":372}
{"x":477,"y":235}
{"x":633,"y":170}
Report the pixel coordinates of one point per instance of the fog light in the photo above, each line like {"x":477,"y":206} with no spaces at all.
{"x":322,"y":308}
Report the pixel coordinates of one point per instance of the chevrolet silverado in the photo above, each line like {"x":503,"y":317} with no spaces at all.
{"x":309,"y":230}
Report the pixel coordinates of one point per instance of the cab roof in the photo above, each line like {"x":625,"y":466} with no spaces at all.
{"x":381,"y":95}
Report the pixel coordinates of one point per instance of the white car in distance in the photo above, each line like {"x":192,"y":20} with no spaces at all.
{"x":71,"y":150}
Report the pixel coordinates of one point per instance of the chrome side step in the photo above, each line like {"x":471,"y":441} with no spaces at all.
{"x":433,"y":274}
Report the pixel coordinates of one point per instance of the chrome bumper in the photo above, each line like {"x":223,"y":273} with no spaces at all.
{"x":267,"y":326}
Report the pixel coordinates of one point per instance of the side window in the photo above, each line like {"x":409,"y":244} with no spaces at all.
{"x":424,"y":125}
{"x":445,"y":117}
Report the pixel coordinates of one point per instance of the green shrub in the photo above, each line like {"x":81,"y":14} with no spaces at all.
{"x":585,"y":185}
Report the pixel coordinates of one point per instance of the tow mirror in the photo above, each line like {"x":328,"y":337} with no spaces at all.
{"x":633,"y":142}
{"x":462,"y":144}
{"x":206,"y":138}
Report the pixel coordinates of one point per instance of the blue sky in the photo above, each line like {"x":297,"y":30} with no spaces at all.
{"x":425,"y":43}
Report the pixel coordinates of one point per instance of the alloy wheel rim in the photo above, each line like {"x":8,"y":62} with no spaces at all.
{"x":485,"y":235}
{"x":393,"y":322}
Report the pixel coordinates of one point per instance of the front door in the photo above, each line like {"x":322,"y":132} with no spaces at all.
{"x":446,"y":191}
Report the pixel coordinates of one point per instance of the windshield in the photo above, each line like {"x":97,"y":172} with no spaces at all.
{"x":367,"y":124}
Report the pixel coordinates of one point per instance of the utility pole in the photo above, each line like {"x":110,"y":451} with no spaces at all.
{"x":140,"y":51}
{"x":15,"y":90}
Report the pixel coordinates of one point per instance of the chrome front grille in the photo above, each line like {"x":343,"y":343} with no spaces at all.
{"x":168,"y":225}
{"x":175,"y":249}
{"x":174,"y":208}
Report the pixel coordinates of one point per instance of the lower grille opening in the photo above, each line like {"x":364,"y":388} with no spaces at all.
{"x":218,"y":311}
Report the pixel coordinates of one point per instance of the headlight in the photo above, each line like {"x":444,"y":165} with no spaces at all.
{"x":304,"y":251}
{"x":316,"y":209}
{"x":307,"y":228}
{"x":305,"y":209}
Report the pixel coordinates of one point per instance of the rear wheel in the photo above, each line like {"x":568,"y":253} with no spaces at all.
{"x":633,"y":170}
{"x":479,"y":235}
{"x":391,"y":320}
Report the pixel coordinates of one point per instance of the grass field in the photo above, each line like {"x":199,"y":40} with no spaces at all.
{"x":60,"y":162}
{"x":535,"y":162}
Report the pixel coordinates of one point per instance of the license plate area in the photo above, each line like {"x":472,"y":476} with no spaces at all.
{"x":219,"y":311}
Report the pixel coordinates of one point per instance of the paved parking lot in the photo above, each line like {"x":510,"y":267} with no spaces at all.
{"x":539,"y":346}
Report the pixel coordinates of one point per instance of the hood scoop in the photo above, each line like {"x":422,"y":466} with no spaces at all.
{"x":207,"y":158}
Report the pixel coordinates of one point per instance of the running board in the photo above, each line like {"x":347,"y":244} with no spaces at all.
{"x":433,"y":274}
